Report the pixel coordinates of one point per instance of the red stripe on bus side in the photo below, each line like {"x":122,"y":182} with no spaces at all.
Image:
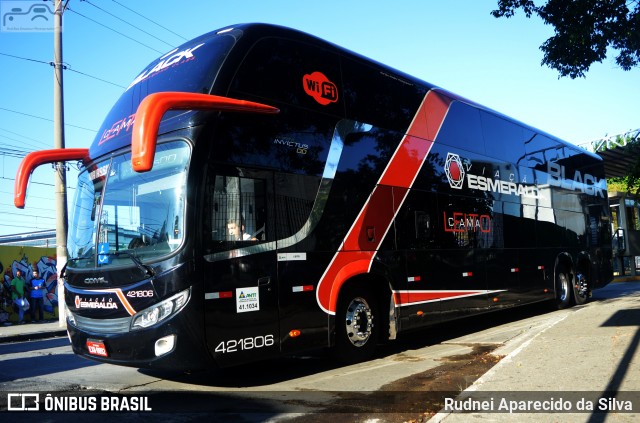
{"x":404,"y":298}
{"x":358,"y":246}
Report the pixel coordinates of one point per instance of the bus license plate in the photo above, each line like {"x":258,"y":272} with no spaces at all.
{"x":97,"y":348}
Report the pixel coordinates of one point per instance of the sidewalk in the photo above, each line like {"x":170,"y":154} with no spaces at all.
{"x":590,"y":356}
{"x":31,"y":331}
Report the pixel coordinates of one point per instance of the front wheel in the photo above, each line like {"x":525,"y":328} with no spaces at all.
{"x":357,"y":325}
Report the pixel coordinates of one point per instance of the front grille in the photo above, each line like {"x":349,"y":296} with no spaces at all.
{"x":105,"y":326}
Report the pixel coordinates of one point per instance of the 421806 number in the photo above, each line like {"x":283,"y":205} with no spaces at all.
{"x":244,"y":344}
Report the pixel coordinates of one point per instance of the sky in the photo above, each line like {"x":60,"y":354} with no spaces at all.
{"x":454,"y":44}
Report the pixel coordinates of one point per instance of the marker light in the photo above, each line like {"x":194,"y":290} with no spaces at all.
{"x":160,"y":311}
{"x":294,"y":333}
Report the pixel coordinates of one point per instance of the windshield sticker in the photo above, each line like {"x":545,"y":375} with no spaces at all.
{"x":103,"y":253}
{"x":318,"y":86}
{"x":99,"y":172}
{"x":123,"y":124}
{"x":173,"y":58}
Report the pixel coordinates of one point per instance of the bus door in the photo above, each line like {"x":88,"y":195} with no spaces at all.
{"x":303,"y":324}
{"x":240,"y":274}
{"x":599,"y":236}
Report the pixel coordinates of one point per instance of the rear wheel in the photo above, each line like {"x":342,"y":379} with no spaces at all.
{"x":581,"y":291}
{"x":563,"y":288}
{"x":357,"y":328}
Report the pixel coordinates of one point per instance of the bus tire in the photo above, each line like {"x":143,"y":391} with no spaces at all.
{"x":581,"y":291}
{"x":357,"y":324}
{"x":564,"y":290}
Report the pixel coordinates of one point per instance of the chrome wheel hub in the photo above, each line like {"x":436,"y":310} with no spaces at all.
{"x":359,"y":322}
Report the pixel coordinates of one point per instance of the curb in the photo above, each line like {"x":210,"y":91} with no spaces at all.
{"x":33,"y":336}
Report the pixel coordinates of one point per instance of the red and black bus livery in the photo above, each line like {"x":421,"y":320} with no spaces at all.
{"x":258,"y":191}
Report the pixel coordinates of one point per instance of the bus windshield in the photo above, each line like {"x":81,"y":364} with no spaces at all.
{"x":123,"y":217}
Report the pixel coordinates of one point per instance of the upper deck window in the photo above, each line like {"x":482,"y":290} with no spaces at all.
{"x":191,"y":67}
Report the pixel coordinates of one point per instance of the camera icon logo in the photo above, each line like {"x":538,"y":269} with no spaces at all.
{"x":26,"y":16}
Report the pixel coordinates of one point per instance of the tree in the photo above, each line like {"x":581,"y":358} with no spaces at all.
{"x":584,"y":30}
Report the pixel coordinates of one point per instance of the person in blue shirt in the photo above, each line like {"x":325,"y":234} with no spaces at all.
{"x":38,"y":289}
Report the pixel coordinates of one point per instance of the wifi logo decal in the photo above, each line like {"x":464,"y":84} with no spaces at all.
{"x":318,"y":86}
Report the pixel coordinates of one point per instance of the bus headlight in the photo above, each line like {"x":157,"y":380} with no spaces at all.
{"x":160,"y":311}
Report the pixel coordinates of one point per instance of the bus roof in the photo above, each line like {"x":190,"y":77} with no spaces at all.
{"x":207,"y":64}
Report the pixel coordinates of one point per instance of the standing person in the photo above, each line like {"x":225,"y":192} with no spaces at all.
{"x":37,"y":297}
{"x":17,"y":295}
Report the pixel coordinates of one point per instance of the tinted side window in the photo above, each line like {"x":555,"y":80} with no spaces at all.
{"x":236,"y":204}
{"x":294,"y":199}
{"x":292,"y":141}
{"x":374,"y":96}
{"x":291,"y":72}
{"x":540,"y":150}
{"x":503,"y":140}
{"x":462,"y":128}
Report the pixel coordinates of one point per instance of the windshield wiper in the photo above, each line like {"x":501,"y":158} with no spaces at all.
{"x":147,"y":269}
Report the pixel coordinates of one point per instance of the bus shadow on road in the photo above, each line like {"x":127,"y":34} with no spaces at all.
{"x":289,"y":368}
{"x":31,"y":367}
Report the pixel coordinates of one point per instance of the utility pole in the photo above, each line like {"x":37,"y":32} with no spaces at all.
{"x":60,"y":168}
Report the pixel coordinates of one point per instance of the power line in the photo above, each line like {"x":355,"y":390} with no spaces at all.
{"x":24,"y":58}
{"x":29,"y":215}
{"x":13,"y":152}
{"x":94,"y":77}
{"x":117,"y":32}
{"x":128,"y":23}
{"x":44,"y":184}
{"x":23,"y":136}
{"x":43,"y":118}
{"x":11,"y":208}
{"x":66,"y":67}
{"x":153,"y":22}
{"x":16,"y":140}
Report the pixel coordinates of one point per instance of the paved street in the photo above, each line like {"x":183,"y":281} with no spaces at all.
{"x":580,"y":354}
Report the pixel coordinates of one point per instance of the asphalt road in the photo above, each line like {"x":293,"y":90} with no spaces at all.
{"x":309,"y":388}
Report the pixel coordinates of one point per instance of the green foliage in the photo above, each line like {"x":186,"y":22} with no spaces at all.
{"x":630,"y":183}
{"x":584,"y":30}
{"x":608,"y":144}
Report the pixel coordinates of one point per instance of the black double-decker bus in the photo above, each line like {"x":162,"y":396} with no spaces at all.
{"x":258,"y":191}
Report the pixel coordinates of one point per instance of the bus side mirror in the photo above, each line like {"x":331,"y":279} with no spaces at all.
{"x":621,"y":244}
{"x":37,"y":158}
{"x":154,"y":106}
